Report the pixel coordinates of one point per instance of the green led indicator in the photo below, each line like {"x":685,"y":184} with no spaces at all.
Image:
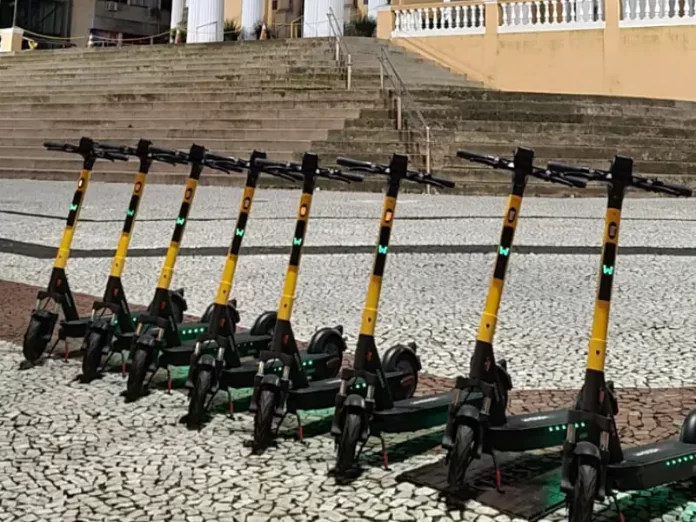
{"x":608,"y":270}
{"x":131,"y":213}
{"x":382,"y":249}
{"x":297,"y":241}
{"x":504,"y":251}
{"x":239,"y":232}
{"x":73,"y":207}
{"x":180,"y":221}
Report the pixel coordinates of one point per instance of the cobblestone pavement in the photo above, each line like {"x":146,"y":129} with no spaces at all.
{"x":69,"y":452}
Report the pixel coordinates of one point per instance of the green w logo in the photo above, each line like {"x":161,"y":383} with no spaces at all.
{"x":382,"y":249}
{"x":608,"y":270}
{"x":504,"y":251}
{"x":239,"y":232}
{"x":297,"y":241}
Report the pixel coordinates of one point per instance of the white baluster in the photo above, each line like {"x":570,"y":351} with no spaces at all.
{"x":475,"y":14}
{"x":554,"y":11}
{"x":665,"y":9}
{"x":656,"y":9}
{"x":528,"y":8}
{"x":416,"y":19}
{"x":600,"y":13}
{"x":573,"y":11}
{"x":627,"y":9}
{"x":504,"y":11}
{"x":639,"y":10}
{"x":547,"y":12}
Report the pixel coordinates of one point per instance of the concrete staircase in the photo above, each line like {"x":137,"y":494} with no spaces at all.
{"x":288,"y":97}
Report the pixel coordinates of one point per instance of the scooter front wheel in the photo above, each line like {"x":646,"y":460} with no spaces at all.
{"x":582,"y":505}
{"x":196,"y":410}
{"x":35,"y":340}
{"x":461,"y":456}
{"x":263,"y":420}
{"x":136,"y":374}
{"x":91,"y":359}
{"x":345,"y":459}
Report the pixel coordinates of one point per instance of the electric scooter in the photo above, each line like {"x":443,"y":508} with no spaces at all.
{"x":283,"y":366}
{"x":112,"y":324}
{"x":598,"y":466}
{"x":366,"y":403}
{"x":486,"y":428}
{"x":43,"y":321}
{"x":159,"y":340}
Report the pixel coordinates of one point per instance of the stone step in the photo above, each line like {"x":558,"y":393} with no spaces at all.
{"x":468,"y":107}
{"x":454,"y":94}
{"x":644,"y":120}
{"x":512,"y":128}
{"x":221,"y":96}
{"x":285,"y":121}
{"x":186,"y":65}
{"x":39,"y":109}
{"x":588,"y":139}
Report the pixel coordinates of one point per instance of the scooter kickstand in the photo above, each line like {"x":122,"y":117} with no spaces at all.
{"x":385,"y":454}
{"x":618,"y":509}
{"x":498,"y":476}
{"x":169,"y":381}
{"x":53,"y":347}
{"x":230,"y":404}
{"x":300,"y":430}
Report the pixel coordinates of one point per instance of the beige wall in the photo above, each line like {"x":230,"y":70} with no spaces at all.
{"x":233,"y":10}
{"x":81,"y":21}
{"x":654,"y":62}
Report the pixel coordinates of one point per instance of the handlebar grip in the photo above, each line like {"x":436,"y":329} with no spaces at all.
{"x":351,"y":163}
{"x":109,"y":147}
{"x":576,"y":182}
{"x":164,"y":152}
{"x":473,"y":157}
{"x":350,"y":177}
{"x":445,"y":183}
{"x":561,"y":167}
{"x":53,"y":145}
{"x":678,"y":190}
{"x":266,"y":163}
{"x":116,"y":156}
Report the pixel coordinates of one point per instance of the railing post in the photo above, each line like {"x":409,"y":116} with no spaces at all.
{"x":349,"y":71}
{"x":398,"y":112}
{"x":381,"y":75}
{"x":427,"y":149}
{"x":338,"y":51}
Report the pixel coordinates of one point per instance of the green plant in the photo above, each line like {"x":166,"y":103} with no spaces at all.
{"x":233,"y":30}
{"x":362,"y":25}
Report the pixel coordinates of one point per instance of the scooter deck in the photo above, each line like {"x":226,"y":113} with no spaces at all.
{"x":653,"y":465}
{"x":243,"y":376}
{"x":321,"y":394}
{"x":78,"y":328}
{"x":530,"y":431}
{"x":417,"y":413}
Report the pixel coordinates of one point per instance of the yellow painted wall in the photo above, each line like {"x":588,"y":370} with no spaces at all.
{"x":653,"y":62}
{"x":233,"y":10}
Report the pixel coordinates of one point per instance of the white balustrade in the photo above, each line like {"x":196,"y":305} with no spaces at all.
{"x":551,"y":15}
{"x":652,"y":13}
{"x":439,"y":20}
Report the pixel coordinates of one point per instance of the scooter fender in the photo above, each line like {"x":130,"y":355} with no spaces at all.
{"x":688,"y":429}
{"x":322,"y":335}
{"x":589,"y":451}
{"x":207,"y":361}
{"x":396,"y":351}
{"x":503,"y":375}
{"x":178,"y":297}
{"x":100,"y":326}
{"x":469,"y":415}
{"x":357,"y":404}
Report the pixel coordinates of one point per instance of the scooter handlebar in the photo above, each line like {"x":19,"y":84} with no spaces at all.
{"x":357,"y":164}
{"x":655,"y":185}
{"x":491,"y":161}
{"x":428,"y":179}
{"x":60,"y":147}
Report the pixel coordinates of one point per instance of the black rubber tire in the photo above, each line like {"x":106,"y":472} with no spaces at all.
{"x":582,"y":505}
{"x":196,"y":410}
{"x":263,"y":419}
{"x":34,"y":344}
{"x":347,"y":446}
{"x":461,"y":456}
{"x":91,"y":359}
{"x":264,"y":325}
{"x":136,"y":375}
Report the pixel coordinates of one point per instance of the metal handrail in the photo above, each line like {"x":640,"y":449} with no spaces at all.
{"x":342,"y":55}
{"x":403,"y":99}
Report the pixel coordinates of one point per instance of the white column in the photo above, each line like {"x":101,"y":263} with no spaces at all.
{"x":177,"y":13}
{"x":192,"y":22}
{"x":339,"y":13}
{"x":252,"y":14}
{"x":374,"y":5}
{"x":210,"y":20}
{"x":311,"y":18}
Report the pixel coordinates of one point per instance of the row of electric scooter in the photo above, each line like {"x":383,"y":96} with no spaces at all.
{"x":377,"y":394}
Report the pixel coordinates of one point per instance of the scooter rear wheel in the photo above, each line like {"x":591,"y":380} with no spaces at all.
{"x":582,"y":506}
{"x":204,"y":381}
{"x":136,"y":375}
{"x":91,"y":359}
{"x":461,"y":456}
{"x":263,"y":420}
{"x":345,"y":459}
